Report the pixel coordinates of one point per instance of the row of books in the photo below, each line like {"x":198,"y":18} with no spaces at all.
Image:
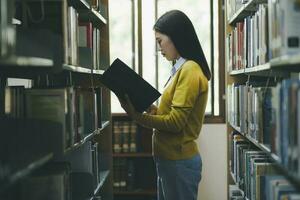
{"x":249,"y":109}
{"x":86,"y":159}
{"x":124,"y":136}
{"x":271,"y":116}
{"x":59,"y":34}
{"x":62,"y":180}
{"x":248,"y":43}
{"x":235,"y":193}
{"x":256,"y":174}
{"x":77,"y":110}
{"x":271,"y":32}
{"x":7,"y":32}
{"x":124,"y":175}
{"x":129,"y":174}
{"x":75,"y":177}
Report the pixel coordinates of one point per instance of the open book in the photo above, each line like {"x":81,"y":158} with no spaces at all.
{"x":122,"y":80}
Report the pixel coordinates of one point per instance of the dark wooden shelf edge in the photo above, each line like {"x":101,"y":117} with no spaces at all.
{"x":245,"y":10}
{"x":237,"y":72}
{"x":80,"y":69}
{"x":280,"y":66}
{"x":253,"y":141}
{"x":88,"y":137}
{"x":232,"y":177}
{"x":104,"y":125}
{"x":103,"y":178}
{"x":99,"y":16}
{"x":80,"y":4}
{"x":27,"y":170}
{"x":28,"y":62}
{"x":136,"y":193}
{"x":119,"y":115}
{"x":132,"y":155}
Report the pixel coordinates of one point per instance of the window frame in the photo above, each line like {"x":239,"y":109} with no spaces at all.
{"x":138,"y":62}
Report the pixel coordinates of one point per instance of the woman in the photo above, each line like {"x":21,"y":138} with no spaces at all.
{"x":178,"y":119}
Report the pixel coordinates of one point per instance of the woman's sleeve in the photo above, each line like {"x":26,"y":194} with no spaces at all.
{"x":186,"y":93}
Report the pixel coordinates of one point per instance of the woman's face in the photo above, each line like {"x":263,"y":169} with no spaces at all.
{"x":166,"y":46}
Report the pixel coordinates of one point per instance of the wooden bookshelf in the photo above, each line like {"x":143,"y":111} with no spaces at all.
{"x":81,"y":137}
{"x":256,"y":67}
{"x":138,"y":164}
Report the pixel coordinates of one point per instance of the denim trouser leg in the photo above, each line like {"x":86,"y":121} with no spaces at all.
{"x":178,"y":179}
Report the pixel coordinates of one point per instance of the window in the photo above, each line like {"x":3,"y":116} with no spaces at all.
{"x":131,"y":27}
{"x":121,"y":39}
{"x":199,"y":13}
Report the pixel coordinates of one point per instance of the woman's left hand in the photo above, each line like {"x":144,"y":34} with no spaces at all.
{"x":127,"y":106}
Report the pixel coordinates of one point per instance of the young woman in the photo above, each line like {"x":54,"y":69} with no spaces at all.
{"x":178,"y":119}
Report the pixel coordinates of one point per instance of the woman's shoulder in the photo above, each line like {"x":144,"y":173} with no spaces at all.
{"x":191,"y":66}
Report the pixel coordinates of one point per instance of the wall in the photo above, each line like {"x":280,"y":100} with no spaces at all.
{"x":212,"y":144}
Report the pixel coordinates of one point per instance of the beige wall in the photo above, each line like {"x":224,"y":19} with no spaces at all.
{"x":212,"y":145}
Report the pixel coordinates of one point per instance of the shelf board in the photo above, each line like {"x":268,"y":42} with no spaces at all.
{"x":80,"y":4}
{"x":92,"y":16}
{"x":26,"y":62}
{"x":103,"y":178}
{"x":29,"y":168}
{"x":98,"y":71}
{"x":119,"y":114}
{"x":88,"y":137}
{"x":244,"y":11}
{"x":238,"y":129}
{"x":87,"y":13}
{"x":137,"y":192}
{"x":262,"y":147}
{"x":132,"y":155}
{"x":98,"y":16}
{"x":288,"y":60}
{"x":281,"y":67}
{"x":16,"y":21}
{"x":76,"y":69}
{"x":258,"y":68}
{"x":104,"y":125}
{"x":267,"y":70}
{"x":233,"y":177}
{"x":79,"y":69}
{"x":237,"y":72}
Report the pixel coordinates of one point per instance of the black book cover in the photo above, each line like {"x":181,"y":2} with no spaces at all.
{"x":122,"y":80}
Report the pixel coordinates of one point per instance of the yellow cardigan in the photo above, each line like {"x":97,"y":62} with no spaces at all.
{"x":180,"y":114}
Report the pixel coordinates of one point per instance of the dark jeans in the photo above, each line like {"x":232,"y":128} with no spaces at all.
{"x":178,"y":179}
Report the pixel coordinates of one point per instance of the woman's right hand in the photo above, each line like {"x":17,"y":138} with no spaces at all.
{"x":152,"y":110}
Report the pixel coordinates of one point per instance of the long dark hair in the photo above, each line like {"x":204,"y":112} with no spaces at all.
{"x":180,"y":30}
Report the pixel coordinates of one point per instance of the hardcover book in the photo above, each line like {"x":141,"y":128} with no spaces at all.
{"x":122,"y":80}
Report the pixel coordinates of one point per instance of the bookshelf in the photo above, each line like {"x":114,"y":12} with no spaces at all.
{"x":55,"y":116}
{"x":134,"y":168}
{"x":262,"y":80}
